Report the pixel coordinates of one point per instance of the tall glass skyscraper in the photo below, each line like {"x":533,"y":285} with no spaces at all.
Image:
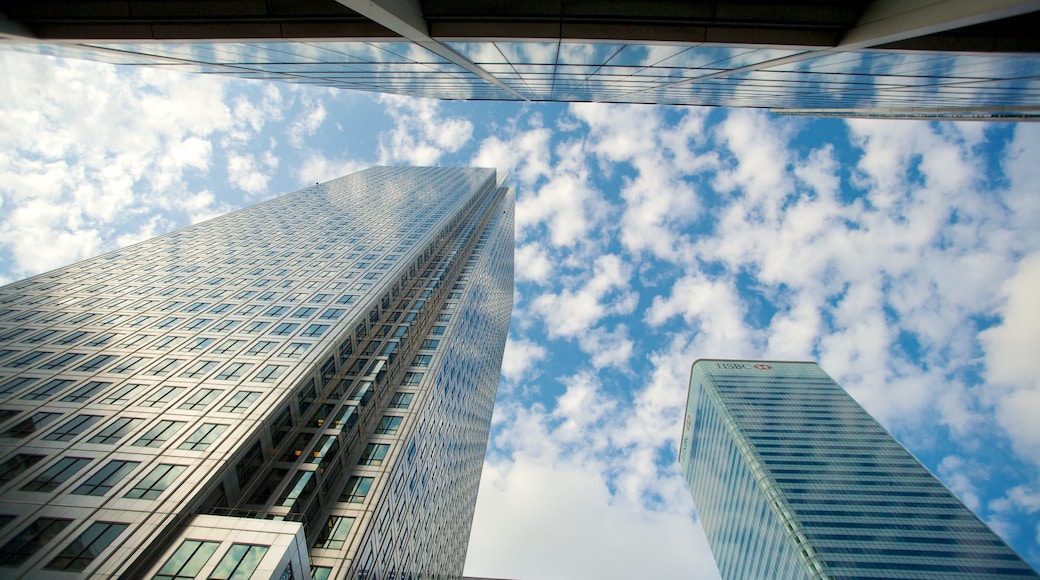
{"x":793,"y":479}
{"x":938,"y":59}
{"x":300,"y":389}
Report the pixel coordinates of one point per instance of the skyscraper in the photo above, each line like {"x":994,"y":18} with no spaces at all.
{"x":306,"y":382}
{"x":937,"y":59}
{"x":791,"y":478}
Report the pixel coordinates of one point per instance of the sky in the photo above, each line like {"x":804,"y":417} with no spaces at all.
{"x":903,"y":256}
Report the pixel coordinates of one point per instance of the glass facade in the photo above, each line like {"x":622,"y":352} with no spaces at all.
{"x":867,"y":83}
{"x":301,"y":388}
{"x":793,"y":479}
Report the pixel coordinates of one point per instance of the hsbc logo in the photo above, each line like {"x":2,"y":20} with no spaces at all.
{"x":737,"y":365}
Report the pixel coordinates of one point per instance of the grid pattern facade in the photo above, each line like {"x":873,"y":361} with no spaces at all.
{"x":863,"y":82}
{"x":328,"y":359}
{"x":793,"y":479}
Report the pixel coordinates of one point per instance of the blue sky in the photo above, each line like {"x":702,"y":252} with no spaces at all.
{"x":903,"y":256}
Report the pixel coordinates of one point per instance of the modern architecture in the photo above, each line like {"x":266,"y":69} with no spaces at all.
{"x":933,"y":59}
{"x":300,"y":389}
{"x":792,"y":479}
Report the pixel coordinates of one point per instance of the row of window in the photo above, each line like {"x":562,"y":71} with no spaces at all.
{"x":162,"y":431}
{"x":100,"y":483}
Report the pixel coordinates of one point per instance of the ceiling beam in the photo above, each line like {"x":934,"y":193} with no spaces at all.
{"x":886,"y":21}
{"x":404,"y":17}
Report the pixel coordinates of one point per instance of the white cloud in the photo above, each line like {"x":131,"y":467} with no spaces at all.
{"x":532,"y":264}
{"x":244,"y":172}
{"x":573,"y":311}
{"x":309,"y":121}
{"x":520,"y":357}
{"x":110,"y":146}
{"x":421,"y":133}
{"x":607,"y":348}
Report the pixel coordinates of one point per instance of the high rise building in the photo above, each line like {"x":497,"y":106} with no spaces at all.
{"x":300,"y":389}
{"x":791,"y":478}
{"x":938,"y":59}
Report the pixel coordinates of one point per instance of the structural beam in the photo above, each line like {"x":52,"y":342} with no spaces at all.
{"x":14,"y":30}
{"x":887,"y":21}
{"x":404,"y":17}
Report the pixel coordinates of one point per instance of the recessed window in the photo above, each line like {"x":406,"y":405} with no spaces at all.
{"x":17,"y":465}
{"x":333,"y":535}
{"x":203,"y":437}
{"x":188,"y":560}
{"x":157,"y":481}
{"x":240,"y":561}
{"x":115,"y":431}
{"x":30,"y":425}
{"x":159,"y":433}
{"x":102,"y":482}
{"x":71,"y":428}
{"x":29,"y":541}
{"x":388,"y":425}
{"x":357,"y":489}
{"x":373,"y":454}
{"x":58,"y":473}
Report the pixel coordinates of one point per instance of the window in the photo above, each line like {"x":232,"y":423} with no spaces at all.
{"x":411,"y":379}
{"x":276,"y":311}
{"x":160,"y":396}
{"x":284,"y":328}
{"x":269,"y":373}
{"x":233,"y":371}
{"x":199,"y":368}
{"x":102,"y":339}
{"x":197,"y":344}
{"x":95,"y":363}
{"x":254,"y":327}
{"x":295,"y":349}
{"x":40,"y":336}
{"x":29,"y":541}
{"x":72,"y":337}
{"x":26,"y":359}
{"x":401,"y":400}
{"x":16,"y":384}
{"x":304,"y":312}
{"x":158,"y":434}
{"x":164,"y":367}
{"x":239,"y":562}
{"x":47,"y":389}
{"x":17,"y":465}
{"x":89,"y":545}
{"x":373,"y":454}
{"x":85,"y":392}
{"x":356,"y":489}
{"x":168,"y":322}
{"x":105,"y":478}
{"x":156,"y":481}
{"x":429,"y":344}
{"x":120,"y":395}
{"x":187,"y":561}
{"x":127,"y":365}
{"x":201,"y":439}
{"x":200,"y":399}
{"x":333,"y":534}
{"x":58,"y":473}
{"x":30,"y":425}
{"x":72,"y":427}
{"x":315,"y":330}
{"x":388,"y":425}
{"x":227,"y":346}
{"x":422,"y":360}
{"x":261,"y":347}
{"x":224,"y":326}
{"x":347,"y":299}
{"x":240,"y":401}
{"x":115,"y":431}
